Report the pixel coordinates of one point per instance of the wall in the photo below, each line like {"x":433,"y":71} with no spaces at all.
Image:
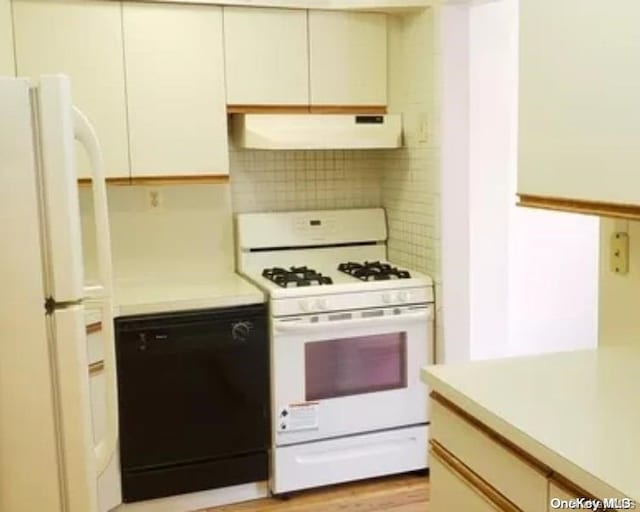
{"x":304,"y":180}
{"x":619,"y":295}
{"x":530,"y":276}
{"x":190,"y":233}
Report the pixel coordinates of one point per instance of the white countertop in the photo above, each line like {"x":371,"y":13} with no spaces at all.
{"x":181,"y":293}
{"x":577,"y":412}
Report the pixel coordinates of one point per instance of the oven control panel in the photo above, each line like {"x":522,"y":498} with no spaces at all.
{"x":315,"y":228}
{"x":342,"y":302}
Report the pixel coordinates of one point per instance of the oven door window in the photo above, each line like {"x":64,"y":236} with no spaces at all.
{"x":352,"y":366}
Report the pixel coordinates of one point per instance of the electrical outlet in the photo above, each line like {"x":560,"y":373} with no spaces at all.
{"x":619,"y":253}
{"x":423,"y":127}
{"x":155,"y":201}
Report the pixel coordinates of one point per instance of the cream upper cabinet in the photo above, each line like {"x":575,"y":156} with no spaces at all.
{"x":175,"y":89}
{"x":7,"y":65}
{"x":266,"y":57}
{"x":579,"y":104}
{"x":348,"y":58}
{"x":82,"y":39}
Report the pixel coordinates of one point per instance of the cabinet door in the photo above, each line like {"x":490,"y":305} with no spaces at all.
{"x":452,"y":490}
{"x":579,"y":112}
{"x":175,"y":88}
{"x":7,"y":65}
{"x":266,"y":57}
{"x":82,"y":39}
{"x":348,"y":58}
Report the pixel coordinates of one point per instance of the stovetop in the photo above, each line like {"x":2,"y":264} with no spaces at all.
{"x":373,"y":271}
{"x":321,"y":276}
{"x":294,"y":277}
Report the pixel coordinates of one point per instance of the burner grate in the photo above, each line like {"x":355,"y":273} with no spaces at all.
{"x":295,"y":276}
{"x":373,"y":271}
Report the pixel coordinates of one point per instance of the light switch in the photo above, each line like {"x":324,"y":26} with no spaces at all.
{"x":619,"y":253}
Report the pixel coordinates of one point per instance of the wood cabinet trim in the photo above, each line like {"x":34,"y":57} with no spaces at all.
{"x":515,"y":450}
{"x":267,"y":109}
{"x":164,"y":180}
{"x":307,"y":109}
{"x":570,"y":488}
{"x":349,"y":109}
{"x":615,"y":210}
{"x":460,"y":469}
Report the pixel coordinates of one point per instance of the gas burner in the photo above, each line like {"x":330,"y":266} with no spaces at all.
{"x":373,"y":271}
{"x":295,"y":276}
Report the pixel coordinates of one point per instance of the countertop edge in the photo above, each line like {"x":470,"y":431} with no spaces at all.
{"x":536,"y":449}
{"x":170,"y":306}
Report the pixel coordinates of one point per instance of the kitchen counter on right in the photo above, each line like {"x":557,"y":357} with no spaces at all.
{"x":574,"y":412}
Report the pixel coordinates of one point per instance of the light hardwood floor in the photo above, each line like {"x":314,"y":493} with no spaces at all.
{"x":403,"y":493}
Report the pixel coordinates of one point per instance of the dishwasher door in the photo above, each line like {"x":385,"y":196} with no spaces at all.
{"x":193,"y":400}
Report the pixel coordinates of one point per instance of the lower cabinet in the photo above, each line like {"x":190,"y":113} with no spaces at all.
{"x":454,"y":487}
{"x":475,"y":469}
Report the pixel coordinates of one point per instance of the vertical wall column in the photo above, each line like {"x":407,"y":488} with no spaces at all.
{"x":454,"y":183}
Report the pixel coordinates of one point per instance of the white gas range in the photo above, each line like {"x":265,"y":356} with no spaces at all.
{"x":349,"y":334}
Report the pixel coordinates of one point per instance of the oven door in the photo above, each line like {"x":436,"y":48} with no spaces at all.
{"x":350,"y":372}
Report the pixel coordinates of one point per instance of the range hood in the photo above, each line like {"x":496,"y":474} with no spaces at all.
{"x":316,"y":131}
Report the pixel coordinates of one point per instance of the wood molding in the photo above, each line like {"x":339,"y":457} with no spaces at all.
{"x":268,"y":109}
{"x":498,"y":438}
{"x":93,"y":327}
{"x":572,"y":489}
{"x":385,"y":6}
{"x":616,"y":210}
{"x":86,"y":182}
{"x":455,"y":465}
{"x":96,"y":368}
{"x":349,"y":109}
{"x":205,"y":179}
{"x":307,"y":109}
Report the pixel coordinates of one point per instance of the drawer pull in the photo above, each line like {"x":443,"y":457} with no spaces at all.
{"x":94,"y":327}
{"x":96,"y":368}
{"x":456,"y":466}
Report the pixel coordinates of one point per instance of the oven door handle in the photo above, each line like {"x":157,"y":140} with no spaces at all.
{"x":288,"y":327}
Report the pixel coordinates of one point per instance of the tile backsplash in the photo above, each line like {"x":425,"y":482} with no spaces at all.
{"x":264,"y":180}
{"x":410,"y":184}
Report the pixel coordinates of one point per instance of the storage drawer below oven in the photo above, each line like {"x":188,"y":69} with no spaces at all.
{"x":349,"y":458}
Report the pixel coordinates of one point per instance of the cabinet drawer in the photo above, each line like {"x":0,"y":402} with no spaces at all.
{"x":454,"y":487}
{"x":561,"y":492}
{"x":513,"y":476}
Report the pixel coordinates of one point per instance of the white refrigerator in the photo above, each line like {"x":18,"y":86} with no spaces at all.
{"x":49,"y":459}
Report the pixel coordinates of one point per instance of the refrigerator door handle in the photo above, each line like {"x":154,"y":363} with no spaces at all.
{"x":86,"y":135}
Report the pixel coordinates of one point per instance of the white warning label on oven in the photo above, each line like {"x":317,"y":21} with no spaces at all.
{"x":300,"y":416}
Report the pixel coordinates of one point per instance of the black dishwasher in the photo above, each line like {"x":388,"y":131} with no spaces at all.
{"x":193,"y":399}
